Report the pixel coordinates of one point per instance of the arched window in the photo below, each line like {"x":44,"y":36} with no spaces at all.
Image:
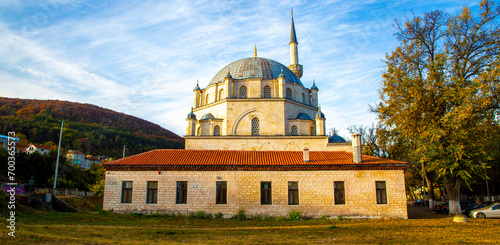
{"x":243,"y":92}
{"x":312,"y":131}
{"x":267,"y":92}
{"x":206,"y":100}
{"x":198,"y":131}
{"x":221,"y":94}
{"x":216,"y":131}
{"x":295,"y":130}
{"x":255,"y":126}
{"x":303,"y":98}
{"x":288,"y":93}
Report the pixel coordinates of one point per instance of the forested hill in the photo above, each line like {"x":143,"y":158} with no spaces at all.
{"x":88,"y":128}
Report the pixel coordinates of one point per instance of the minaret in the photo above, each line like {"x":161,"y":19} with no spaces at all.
{"x":294,"y":52}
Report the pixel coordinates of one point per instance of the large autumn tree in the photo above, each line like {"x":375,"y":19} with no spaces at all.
{"x":440,"y":92}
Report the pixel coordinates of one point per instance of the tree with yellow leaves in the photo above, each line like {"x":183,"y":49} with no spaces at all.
{"x":440,"y":92}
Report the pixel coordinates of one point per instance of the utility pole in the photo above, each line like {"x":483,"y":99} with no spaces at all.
{"x":58,"y":153}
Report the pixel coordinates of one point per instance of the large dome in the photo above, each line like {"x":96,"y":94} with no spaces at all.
{"x":256,"y":67}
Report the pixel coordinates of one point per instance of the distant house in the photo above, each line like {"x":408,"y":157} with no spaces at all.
{"x":76,"y":157}
{"x":33,"y":147}
{"x":81,"y":159}
{"x":4,"y":143}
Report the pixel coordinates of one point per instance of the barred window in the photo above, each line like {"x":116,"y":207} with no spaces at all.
{"x":127,"y":191}
{"x":288,"y":93}
{"x":181,"y":193}
{"x":381,"y":192}
{"x":293,"y":193}
{"x":339,"y":192}
{"x":267,"y":92}
{"x":295,"y":130}
{"x":221,"y":192}
{"x":243,"y":92}
{"x":255,"y":126}
{"x":152,"y":193}
{"x":312,"y":131}
{"x":265,"y":193}
{"x":216,"y":131}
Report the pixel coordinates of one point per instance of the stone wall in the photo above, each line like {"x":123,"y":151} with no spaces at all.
{"x":316,"y":193}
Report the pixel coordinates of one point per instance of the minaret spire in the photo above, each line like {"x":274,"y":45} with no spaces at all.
{"x":294,"y":53}
{"x":255,"y":51}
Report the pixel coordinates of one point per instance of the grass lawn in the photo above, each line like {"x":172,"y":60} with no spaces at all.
{"x":43,"y":227}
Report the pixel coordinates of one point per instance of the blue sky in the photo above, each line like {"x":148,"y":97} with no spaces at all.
{"x":143,"y":58}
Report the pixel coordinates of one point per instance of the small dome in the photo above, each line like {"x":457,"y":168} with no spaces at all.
{"x":320,"y":114}
{"x":303,"y":116}
{"x":336,"y":139}
{"x":314,"y":86}
{"x":207,"y":116}
{"x":191,"y":115}
{"x":256,"y":67}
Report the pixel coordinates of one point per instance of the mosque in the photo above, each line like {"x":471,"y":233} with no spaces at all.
{"x":256,"y":141}
{"x":259,"y":104}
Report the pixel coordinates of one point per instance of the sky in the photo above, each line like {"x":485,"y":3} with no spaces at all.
{"x":144,"y":58}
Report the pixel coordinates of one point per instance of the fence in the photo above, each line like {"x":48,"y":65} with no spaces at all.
{"x":64,"y":192}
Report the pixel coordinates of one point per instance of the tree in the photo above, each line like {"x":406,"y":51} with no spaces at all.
{"x":440,"y":93}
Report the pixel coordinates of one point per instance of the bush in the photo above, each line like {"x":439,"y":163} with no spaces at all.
{"x":240,"y":215}
{"x":200,"y":215}
{"x":219,"y":215}
{"x":294,"y":215}
{"x":324,"y":217}
{"x":279,"y":218}
{"x":340,"y":217}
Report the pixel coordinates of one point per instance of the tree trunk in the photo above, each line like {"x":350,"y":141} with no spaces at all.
{"x":430,"y":185}
{"x":453,"y":188}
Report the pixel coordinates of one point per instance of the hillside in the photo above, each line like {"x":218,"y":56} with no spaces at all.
{"x":88,"y":128}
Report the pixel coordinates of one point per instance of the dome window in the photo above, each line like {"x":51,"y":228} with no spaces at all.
{"x":312,"y":131}
{"x":221,"y":94}
{"x":267,"y":92}
{"x":295,"y":130}
{"x":198,"y":131}
{"x":216,"y":131}
{"x":303,"y":98}
{"x":243,"y":92}
{"x":255,"y":126}
{"x":206,"y":101}
{"x":288,"y":93}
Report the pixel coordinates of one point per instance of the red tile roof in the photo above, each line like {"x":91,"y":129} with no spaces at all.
{"x":40,"y":146}
{"x":174,"y":159}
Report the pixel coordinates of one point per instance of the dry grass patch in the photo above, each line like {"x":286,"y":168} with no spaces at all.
{"x":99,"y":228}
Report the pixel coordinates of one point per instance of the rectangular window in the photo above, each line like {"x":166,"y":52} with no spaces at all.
{"x":265,"y":193}
{"x":339,"y":192}
{"x":221,"y":192}
{"x":127,"y":192}
{"x":181,"y":194}
{"x":293,"y":193}
{"x":152,"y":194}
{"x":381,"y":192}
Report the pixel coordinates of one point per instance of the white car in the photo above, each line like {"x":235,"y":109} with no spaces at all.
{"x":490,"y":211}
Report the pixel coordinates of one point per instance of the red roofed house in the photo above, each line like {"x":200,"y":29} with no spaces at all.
{"x":249,"y":150}
{"x":32,"y":147}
